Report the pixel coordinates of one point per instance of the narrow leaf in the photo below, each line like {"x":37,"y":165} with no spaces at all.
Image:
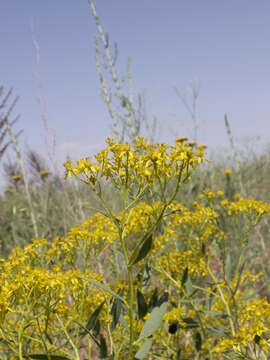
{"x":219,"y":332}
{"x":103,"y":353}
{"x":144,"y":250}
{"x":154,"y":299}
{"x":154,"y":321}
{"x":211,"y":299}
{"x":217,"y":248}
{"x":188,"y":286}
{"x":96,"y":328}
{"x":184,"y":277}
{"x":116,"y":312}
{"x":215,"y":314}
{"x":142,"y":305}
{"x":94,"y":317}
{"x":146,"y":276}
{"x":198,"y":342}
{"x":239,"y":277}
{"x":178,"y":355}
{"x":144,"y":350}
{"x":190,"y":323}
{"x":203,"y":249}
{"x":257,"y":339}
{"x":228,"y":268}
{"x":164,"y":298}
{"x":46,"y":357}
{"x":103,"y":287}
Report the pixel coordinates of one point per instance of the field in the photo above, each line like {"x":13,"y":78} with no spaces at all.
{"x":146,"y":250}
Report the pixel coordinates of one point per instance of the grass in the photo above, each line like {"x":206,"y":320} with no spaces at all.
{"x":57,"y":209}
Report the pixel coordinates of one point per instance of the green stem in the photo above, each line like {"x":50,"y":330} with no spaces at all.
{"x":76,"y":352}
{"x":130,"y":294}
{"x":25,"y":180}
{"x":224,"y":302}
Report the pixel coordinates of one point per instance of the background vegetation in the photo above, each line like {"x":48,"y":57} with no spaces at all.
{"x":38,"y":203}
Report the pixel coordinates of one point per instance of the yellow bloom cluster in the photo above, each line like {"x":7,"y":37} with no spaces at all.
{"x":90,"y":238}
{"x":210,"y":195}
{"x":181,"y":246}
{"x":241,"y":205}
{"x":174,"y":314}
{"x":253,"y":320}
{"x":175,"y":263}
{"x":31,"y":289}
{"x":142,"y":162}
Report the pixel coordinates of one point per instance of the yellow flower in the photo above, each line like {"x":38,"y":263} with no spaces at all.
{"x":16,"y":178}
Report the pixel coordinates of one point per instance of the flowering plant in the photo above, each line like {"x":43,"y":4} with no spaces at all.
{"x":155,"y":279}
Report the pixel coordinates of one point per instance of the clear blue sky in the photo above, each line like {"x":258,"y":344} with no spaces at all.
{"x":223,"y":44}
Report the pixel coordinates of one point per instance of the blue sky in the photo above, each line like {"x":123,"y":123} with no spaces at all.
{"x":223,"y":44}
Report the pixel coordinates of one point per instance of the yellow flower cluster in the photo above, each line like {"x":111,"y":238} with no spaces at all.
{"x":189,"y":229}
{"x":210,"y":195}
{"x":88,"y":238}
{"x":253,"y":320}
{"x":141,"y":163}
{"x":241,"y":205}
{"x":176,"y":262}
{"x":31,"y":289}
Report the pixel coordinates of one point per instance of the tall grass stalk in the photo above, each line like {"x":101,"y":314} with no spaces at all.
{"x":25,"y":180}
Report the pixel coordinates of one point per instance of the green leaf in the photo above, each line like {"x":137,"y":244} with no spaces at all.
{"x":154,"y":321}
{"x":143,"y":251}
{"x":257,"y":339}
{"x":103,"y":353}
{"x":178,"y":355}
{"x":146,"y":276}
{"x":211,"y":299}
{"x":198,"y":342}
{"x":188,"y":286}
{"x":190,"y":323}
{"x":216,"y":314}
{"x":48,"y":337}
{"x":104,"y":287}
{"x":239,"y":277}
{"x":92,"y":321}
{"x":96,"y":328}
{"x":266,"y":335}
{"x":46,"y":357}
{"x":116,"y":312}
{"x":219,"y":332}
{"x":203,"y":249}
{"x":142,"y":305}
{"x":228,"y":268}
{"x":154,"y":299}
{"x":144,"y":350}
{"x":184,"y":277}
{"x":217,"y":248}
{"x":164,"y":298}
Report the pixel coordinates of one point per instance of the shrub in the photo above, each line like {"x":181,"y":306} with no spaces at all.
{"x":157,"y":279}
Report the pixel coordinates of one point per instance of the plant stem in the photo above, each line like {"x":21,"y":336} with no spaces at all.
{"x":224,"y":301}
{"x":77,"y":356}
{"x":130,"y":294}
{"x":25,"y":181}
